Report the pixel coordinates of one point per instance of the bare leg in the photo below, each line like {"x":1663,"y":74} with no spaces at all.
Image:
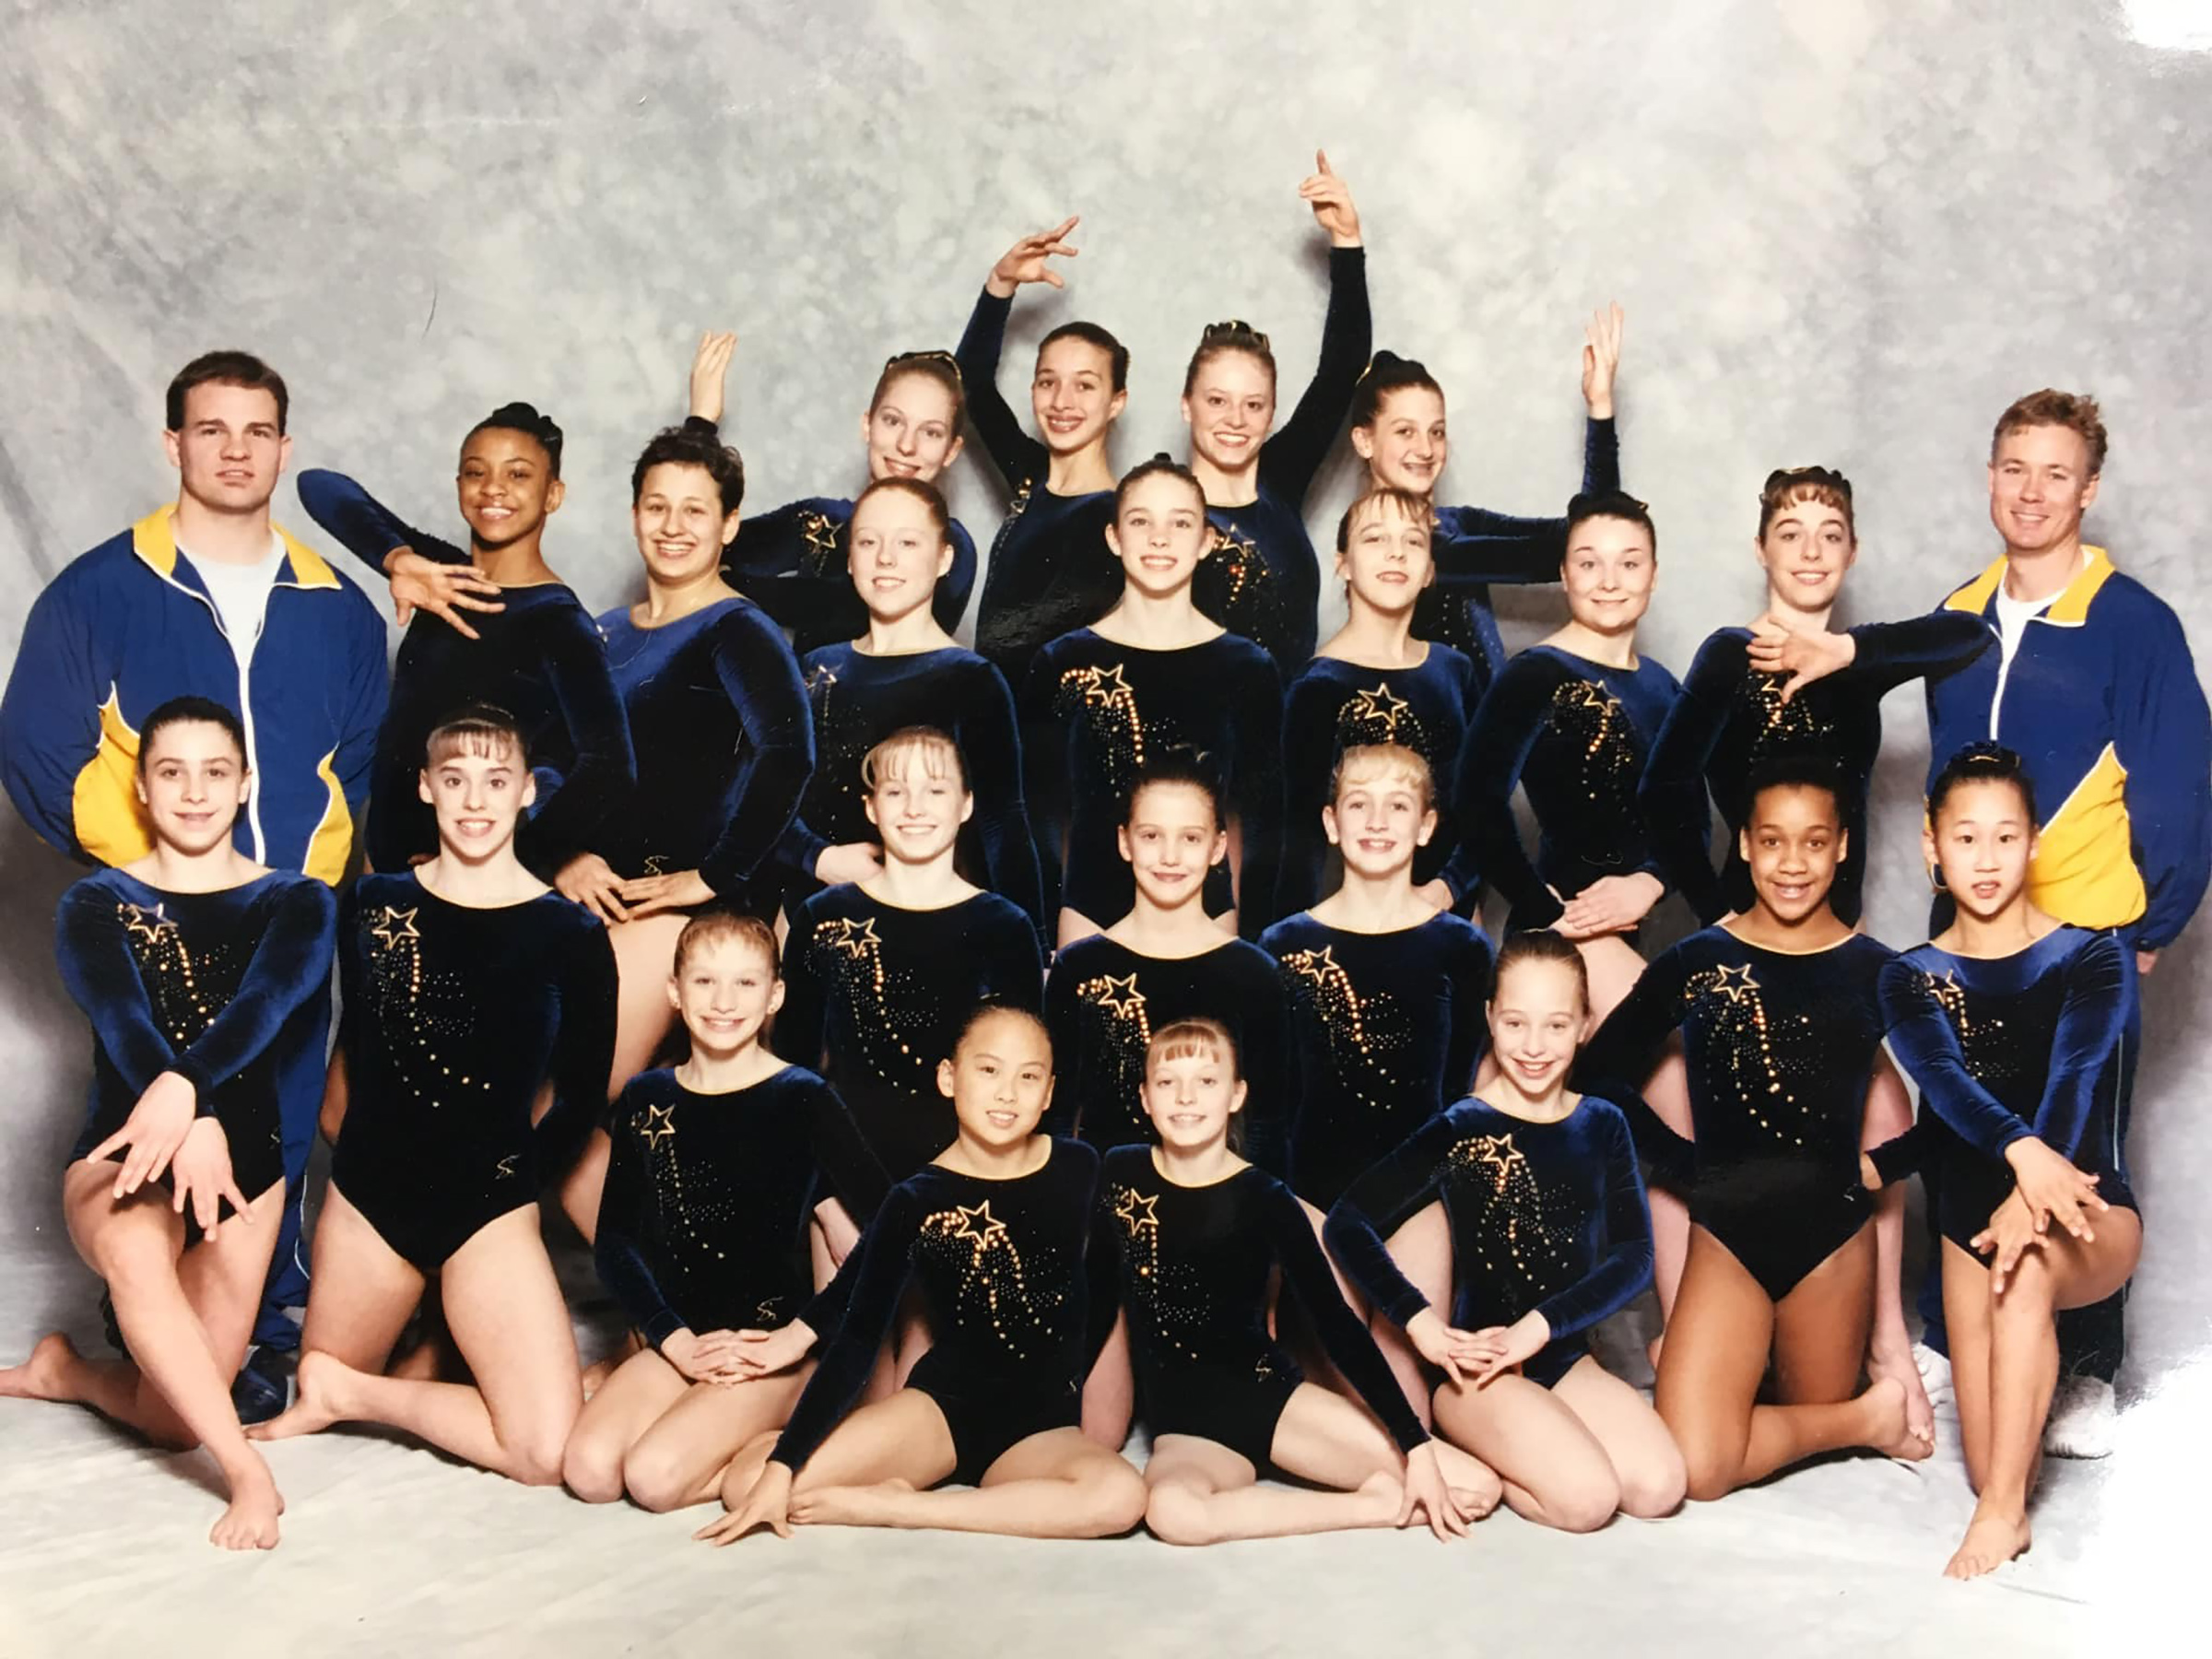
{"x":1646,"y":1462}
{"x":684,"y":1457}
{"x":2064,"y":1272}
{"x":1056,"y":1484}
{"x":187,"y":1315}
{"x":1109,"y":1392}
{"x":1710,"y":1372}
{"x":1890,"y":1347}
{"x":1201,"y":1492}
{"x":1555,"y":1471}
{"x":1966,"y":1316}
{"x":620,"y":1409}
{"x":506,"y":1315}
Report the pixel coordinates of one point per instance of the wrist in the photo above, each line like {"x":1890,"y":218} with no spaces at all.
{"x":998,"y":287}
{"x":1600,"y":407}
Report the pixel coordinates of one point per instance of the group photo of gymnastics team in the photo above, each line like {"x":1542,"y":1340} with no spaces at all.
{"x":970,"y":1066}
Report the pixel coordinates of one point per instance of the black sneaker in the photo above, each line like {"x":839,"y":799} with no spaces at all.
{"x":264,"y":1387}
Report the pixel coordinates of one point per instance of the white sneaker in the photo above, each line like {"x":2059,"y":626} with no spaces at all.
{"x":2082,"y":1415}
{"x":1934,"y":1374}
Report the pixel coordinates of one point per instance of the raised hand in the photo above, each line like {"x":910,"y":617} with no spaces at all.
{"x":1601,"y":361}
{"x":710,"y":373}
{"x":589,"y":880}
{"x":443,"y":590}
{"x":1611,"y":904}
{"x":767,"y":1504}
{"x":153,"y":1132}
{"x":1331,"y":199}
{"x":202,"y":1175}
{"x":2047,"y":1182}
{"x":1805,"y":657}
{"x":1028,"y":260}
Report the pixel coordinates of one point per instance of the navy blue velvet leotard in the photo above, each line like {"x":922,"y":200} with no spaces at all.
{"x":1195,"y":1264}
{"x":718,"y":722}
{"x":1781,"y":1048}
{"x":1334,"y":705}
{"x":702,"y":1223}
{"x":1730,"y":718}
{"x":1049,"y":568}
{"x":1091,"y":713}
{"x":540,"y":659}
{"x":859,"y":699}
{"x":1002,"y":1269}
{"x":875,"y":995}
{"x":1474,"y":547}
{"x":1389,"y":1027}
{"x":1545,"y":1218}
{"x":1262,"y":579}
{"x":227,"y":989}
{"x":2038,"y":1042}
{"x":454,"y":1016}
{"x":1102,"y":1003}
{"x":1573,"y":733}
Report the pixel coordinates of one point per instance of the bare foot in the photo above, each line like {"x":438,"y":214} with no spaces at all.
{"x":41,"y":1377}
{"x":1887,"y":1429}
{"x":1472,"y":1483}
{"x":1920,"y":1415}
{"x":849,"y":1505}
{"x":316,"y":1406}
{"x":1385,"y":1497}
{"x":1991,"y":1541}
{"x":251,"y":1520}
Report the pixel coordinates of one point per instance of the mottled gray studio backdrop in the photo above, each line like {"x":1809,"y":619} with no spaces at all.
{"x":1843,"y":231}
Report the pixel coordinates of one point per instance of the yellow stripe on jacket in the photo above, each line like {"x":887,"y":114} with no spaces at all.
{"x":2085,"y":870}
{"x":329,"y":846}
{"x":103,"y":803}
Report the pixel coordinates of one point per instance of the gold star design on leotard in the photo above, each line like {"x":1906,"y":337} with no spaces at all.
{"x":1129,"y":1001}
{"x":1316,"y":965}
{"x":1380,"y":705}
{"x":855,"y":939}
{"x":1136,"y":1211}
{"x":978,"y":1225}
{"x":397,"y":926}
{"x":1105,"y":685}
{"x":136,"y":924}
{"x":820,"y":677}
{"x":660,"y":1124}
{"x":1735,"y":989}
{"x":1497,"y":1152}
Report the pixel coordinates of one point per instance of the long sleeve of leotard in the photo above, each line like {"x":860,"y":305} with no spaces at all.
{"x":1268,"y":1047}
{"x":604,"y":777}
{"x":364,"y":526}
{"x":1255,"y":795}
{"x":1012,"y":451}
{"x":584,"y":1048}
{"x":1927,"y":1048}
{"x":1469,"y":970}
{"x":1889,"y":653}
{"x":1506,"y":728}
{"x":1064,"y":1025}
{"x":291,"y":963}
{"x":878,"y":1266}
{"x":1102,"y":1276}
{"x":618,"y":1246}
{"x":1381,"y":1202}
{"x":990,"y":749}
{"x":1672,"y":792}
{"x":766,"y":564}
{"x":1620,"y":1274}
{"x":1475,"y":547}
{"x":1341,"y":1331}
{"x":1044,"y":745}
{"x":1623,"y":1052}
{"x":1294,"y":452}
{"x":762,"y":680}
{"x":2164,"y":741}
{"x":849,"y":1171}
{"x":1310,"y":709}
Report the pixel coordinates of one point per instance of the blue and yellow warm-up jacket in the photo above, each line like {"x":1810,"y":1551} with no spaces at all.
{"x":2102,"y":702}
{"x":128,"y":626}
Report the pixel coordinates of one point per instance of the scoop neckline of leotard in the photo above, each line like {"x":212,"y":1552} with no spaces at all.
{"x":425,"y":888}
{"x":1576,"y":657}
{"x":1152,"y":1158}
{"x":704,"y":610}
{"x":1227,"y":940}
{"x":724,"y":1094}
{"x":1581,"y":1100}
{"x":141,"y":882}
{"x":1051,"y":1151}
{"x":1428,"y":651}
{"x":1960,"y":955}
{"x":1091,"y":629}
{"x":1384,"y":933}
{"x":1773,"y":951}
